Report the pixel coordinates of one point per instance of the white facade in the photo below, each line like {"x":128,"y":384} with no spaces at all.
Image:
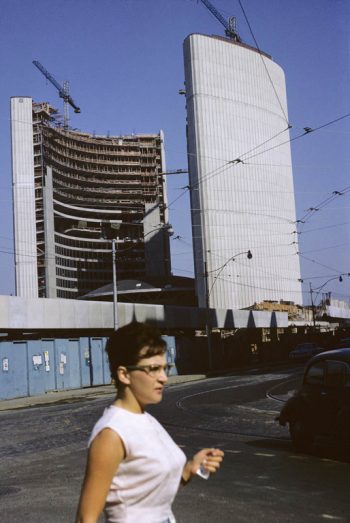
{"x":241,"y":198}
{"x":24,"y":197}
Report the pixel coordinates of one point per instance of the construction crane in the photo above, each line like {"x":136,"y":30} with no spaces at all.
{"x":62,"y":91}
{"x":229,"y":25}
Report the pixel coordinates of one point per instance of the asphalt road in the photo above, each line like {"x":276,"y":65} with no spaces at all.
{"x":42,"y":456}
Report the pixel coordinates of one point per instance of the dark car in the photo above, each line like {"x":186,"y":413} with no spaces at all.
{"x":344,"y":342}
{"x":320,"y":410}
{"x":304,"y":351}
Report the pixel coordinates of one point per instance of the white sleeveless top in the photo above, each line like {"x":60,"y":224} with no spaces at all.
{"x":147,"y":480}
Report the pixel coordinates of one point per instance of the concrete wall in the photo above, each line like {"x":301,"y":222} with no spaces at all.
{"x":24,"y":197}
{"x":55,"y":314}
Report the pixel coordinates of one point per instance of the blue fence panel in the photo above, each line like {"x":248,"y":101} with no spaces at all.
{"x":48,"y":349}
{"x":67,"y":364}
{"x":61,"y":363}
{"x":85,"y":363}
{"x":73,"y":363}
{"x":171,"y":353}
{"x":36,"y":367}
{"x":106,"y":371}
{"x":96,"y":351}
{"x":14,"y":370}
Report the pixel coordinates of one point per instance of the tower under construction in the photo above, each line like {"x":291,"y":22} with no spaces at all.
{"x":75,"y":192}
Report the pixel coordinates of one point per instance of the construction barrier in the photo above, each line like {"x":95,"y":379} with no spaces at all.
{"x":33,"y":367}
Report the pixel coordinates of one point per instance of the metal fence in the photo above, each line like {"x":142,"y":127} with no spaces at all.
{"x":33,"y":367}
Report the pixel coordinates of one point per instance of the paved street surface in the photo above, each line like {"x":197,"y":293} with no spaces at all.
{"x":42,"y":451}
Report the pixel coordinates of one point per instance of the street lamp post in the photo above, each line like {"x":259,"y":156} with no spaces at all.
{"x":221,"y":268}
{"x":115,"y":287}
{"x":207,"y":316}
{"x":207,"y":298}
{"x":167,"y":227}
{"x":318,"y":289}
{"x":312,"y":306}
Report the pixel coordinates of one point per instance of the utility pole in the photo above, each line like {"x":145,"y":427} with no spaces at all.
{"x":207,"y":298}
{"x":207,"y":319}
{"x":115,"y":283}
{"x":318,"y":289}
{"x":312,"y":306}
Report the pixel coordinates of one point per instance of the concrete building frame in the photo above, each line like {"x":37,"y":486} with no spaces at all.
{"x":73,"y":194}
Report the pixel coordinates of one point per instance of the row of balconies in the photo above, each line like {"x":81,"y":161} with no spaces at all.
{"x":133,"y":141}
{"x":98,"y":190}
{"x":115,"y":155}
{"x":113,"y":150}
{"x":109,"y":181}
{"x":106,"y":187}
{"x":142,"y":168}
{"x":89,"y":179}
{"x":104,"y":201}
{"x":58,"y":153}
{"x":87,"y":167}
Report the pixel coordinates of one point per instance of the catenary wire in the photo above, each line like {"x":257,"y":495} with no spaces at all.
{"x":263,"y":61}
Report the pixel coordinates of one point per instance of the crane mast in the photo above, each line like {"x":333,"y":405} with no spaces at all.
{"x":229,"y":25}
{"x":62,"y":91}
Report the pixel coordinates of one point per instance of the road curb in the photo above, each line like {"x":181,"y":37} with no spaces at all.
{"x":72,"y":395}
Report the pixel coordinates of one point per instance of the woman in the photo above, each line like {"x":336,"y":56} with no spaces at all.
{"x":134,"y":468}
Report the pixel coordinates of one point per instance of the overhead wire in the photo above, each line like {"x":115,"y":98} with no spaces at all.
{"x":225,"y":166}
{"x":233,"y":281}
{"x":301,"y":255}
{"x":238,"y":160}
{"x":262,"y":58}
{"x":326,"y":227}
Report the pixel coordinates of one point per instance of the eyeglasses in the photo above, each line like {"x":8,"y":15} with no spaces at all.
{"x":153,"y":370}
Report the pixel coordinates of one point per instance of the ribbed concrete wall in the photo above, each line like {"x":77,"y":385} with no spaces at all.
{"x":55,"y":314}
{"x":24,"y":197}
{"x":232,"y":108}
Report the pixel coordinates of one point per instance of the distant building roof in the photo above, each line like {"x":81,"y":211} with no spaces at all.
{"x":173,"y":289}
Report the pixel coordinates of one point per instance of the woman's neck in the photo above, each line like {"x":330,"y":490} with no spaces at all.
{"x":127,"y":401}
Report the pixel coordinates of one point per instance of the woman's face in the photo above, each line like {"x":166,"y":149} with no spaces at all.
{"x":148,"y":388}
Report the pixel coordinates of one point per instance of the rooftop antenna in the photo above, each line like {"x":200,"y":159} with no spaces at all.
{"x":63,"y":92}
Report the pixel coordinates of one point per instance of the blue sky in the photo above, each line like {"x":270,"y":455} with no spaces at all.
{"x":124,"y":61}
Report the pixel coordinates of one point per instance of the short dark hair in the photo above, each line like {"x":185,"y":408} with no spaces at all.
{"x":125,"y":345}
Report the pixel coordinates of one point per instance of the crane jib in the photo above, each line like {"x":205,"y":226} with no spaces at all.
{"x":61,"y":90}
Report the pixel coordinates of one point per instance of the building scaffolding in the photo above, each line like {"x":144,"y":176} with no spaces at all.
{"x":90,"y":190}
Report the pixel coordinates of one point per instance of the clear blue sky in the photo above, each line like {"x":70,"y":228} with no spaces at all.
{"x":124,"y":61}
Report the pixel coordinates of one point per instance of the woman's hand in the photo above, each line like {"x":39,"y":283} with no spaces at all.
{"x":209,"y":459}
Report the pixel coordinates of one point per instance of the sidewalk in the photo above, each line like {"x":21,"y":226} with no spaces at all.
{"x":71,"y":395}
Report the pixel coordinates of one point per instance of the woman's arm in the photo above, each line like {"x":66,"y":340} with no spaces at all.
{"x":105,"y":454}
{"x":209,"y":458}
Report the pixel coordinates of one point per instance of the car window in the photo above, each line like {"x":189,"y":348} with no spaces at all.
{"x":337,"y":374}
{"x":315,"y":374}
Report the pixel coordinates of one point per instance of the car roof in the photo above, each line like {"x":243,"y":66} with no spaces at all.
{"x":306,"y":344}
{"x":335,"y":354}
